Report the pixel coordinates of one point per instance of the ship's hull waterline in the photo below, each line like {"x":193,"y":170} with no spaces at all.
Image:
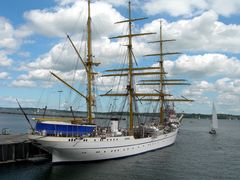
{"x":65,"y":149}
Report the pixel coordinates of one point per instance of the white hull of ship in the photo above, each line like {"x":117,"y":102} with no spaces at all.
{"x":65,"y":149}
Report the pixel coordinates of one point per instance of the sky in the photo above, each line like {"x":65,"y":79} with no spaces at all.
{"x":33,"y":42}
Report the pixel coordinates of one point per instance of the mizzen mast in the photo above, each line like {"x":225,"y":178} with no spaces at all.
{"x":162,"y":82}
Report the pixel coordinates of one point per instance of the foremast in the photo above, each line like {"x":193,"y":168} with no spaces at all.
{"x":88,"y":65}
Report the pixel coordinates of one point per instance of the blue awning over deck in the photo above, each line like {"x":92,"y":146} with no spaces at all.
{"x":64,"y":129}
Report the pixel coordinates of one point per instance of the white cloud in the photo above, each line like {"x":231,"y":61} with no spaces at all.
{"x":4,"y":75}
{"x":225,"y":7}
{"x":198,"y":88}
{"x":23,"y":83}
{"x":225,"y":90}
{"x":8,"y":99}
{"x":228,"y":86}
{"x":214,"y":77}
{"x":72,"y":18}
{"x":4,"y":60}
{"x":7,"y":37}
{"x":118,"y":2}
{"x":191,"y":7}
{"x":11,"y":38}
{"x":204,"y":66}
{"x":65,"y":2}
{"x":202,"y":33}
{"x":44,"y":79}
{"x":113,"y":52}
{"x":60,"y":57}
{"x":11,"y":100}
{"x":79,"y":75}
{"x":174,"y":7}
{"x":228,"y":94}
{"x":38,"y":74}
{"x":204,"y":85}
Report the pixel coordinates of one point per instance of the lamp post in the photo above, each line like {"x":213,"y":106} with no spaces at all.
{"x":59,"y":103}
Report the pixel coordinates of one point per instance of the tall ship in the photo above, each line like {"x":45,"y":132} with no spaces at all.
{"x":70,"y":141}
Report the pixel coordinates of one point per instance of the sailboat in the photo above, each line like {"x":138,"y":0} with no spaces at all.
{"x":214,"y":122}
{"x":72,"y":142}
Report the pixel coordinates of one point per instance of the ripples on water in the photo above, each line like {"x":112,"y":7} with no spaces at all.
{"x":196,"y":155}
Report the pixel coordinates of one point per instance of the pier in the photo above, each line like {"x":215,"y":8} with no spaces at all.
{"x":17,"y":148}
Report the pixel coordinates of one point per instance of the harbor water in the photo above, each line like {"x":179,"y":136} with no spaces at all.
{"x":195,"y":155}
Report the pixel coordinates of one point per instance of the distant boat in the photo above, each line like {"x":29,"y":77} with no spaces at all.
{"x":214,"y":124}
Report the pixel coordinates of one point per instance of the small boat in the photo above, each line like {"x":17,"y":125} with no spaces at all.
{"x":214,"y":124}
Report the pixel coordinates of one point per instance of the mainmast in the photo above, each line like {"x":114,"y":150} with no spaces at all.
{"x":130,"y":70}
{"x":130,"y":64}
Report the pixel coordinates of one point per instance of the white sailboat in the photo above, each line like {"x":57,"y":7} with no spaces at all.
{"x":214,"y":121}
{"x":68,"y":142}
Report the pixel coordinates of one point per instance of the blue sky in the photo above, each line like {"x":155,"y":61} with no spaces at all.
{"x":33,"y":42}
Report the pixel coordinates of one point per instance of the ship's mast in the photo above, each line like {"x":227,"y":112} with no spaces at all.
{"x":89,"y":66}
{"x":161,"y":78}
{"x":130,"y":65}
{"x":130,"y":70}
{"x":162,"y":82}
